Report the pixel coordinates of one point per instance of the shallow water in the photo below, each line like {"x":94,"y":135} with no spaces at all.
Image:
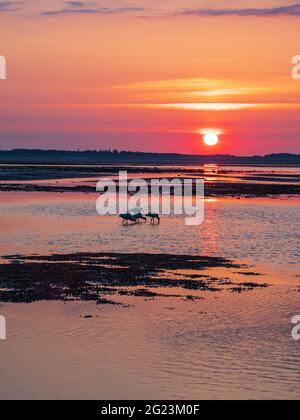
{"x":259,"y":231}
{"x":235,"y":346}
{"x":224,"y":346}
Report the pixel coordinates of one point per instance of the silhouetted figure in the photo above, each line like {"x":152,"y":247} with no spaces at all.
{"x":126,"y":218}
{"x":137,"y":217}
{"x":153,"y":217}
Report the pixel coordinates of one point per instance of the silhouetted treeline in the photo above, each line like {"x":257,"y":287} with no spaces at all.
{"x":32,"y":156}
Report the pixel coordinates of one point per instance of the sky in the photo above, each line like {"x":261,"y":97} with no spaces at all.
{"x":150,"y":75}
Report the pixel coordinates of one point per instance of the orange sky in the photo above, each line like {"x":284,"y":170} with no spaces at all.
{"x":147,"y":75}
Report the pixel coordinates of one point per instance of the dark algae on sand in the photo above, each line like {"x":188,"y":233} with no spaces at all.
{"x":97,"y":277}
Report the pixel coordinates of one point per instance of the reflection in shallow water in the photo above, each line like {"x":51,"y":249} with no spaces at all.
{"x":261,"y":232}
{"x":230,"y":347}
{"x":223,"y":346}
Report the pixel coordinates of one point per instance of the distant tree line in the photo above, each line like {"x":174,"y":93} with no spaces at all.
{"x":107,"y":156}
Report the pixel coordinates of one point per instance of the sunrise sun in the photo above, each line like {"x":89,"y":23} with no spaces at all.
{"x":211,"y":139}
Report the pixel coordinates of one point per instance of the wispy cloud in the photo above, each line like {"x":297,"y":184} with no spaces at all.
{"x":171,"y":84}
{"x":194,"y":106}
{"x":90,"y":8}
{"x":4,"y":5}
{"x":141,"y":9}
{"x":8,"y":6}
{"x":292,"y":10}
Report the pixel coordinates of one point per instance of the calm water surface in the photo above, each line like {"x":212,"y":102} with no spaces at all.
{"x":225,"y":346}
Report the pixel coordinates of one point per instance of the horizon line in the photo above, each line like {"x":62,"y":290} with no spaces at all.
{"x":116,"y":151}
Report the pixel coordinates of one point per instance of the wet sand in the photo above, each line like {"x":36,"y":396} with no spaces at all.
{"x":212,"y":189}
{"x":220,"y":181}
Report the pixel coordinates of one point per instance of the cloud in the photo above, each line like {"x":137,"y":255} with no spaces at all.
{"x":90,"y":8}
{"x":292,"y":10}
{"x":7,"y":6}
{"x":4,"y":5}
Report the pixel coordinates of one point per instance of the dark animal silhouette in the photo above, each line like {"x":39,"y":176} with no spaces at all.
{"x":137,"y":217}
{"x":153,"y":217}
{"x":126,"y":218}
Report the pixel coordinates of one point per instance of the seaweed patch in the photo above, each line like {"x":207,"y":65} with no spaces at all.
{"x":84,"y":277}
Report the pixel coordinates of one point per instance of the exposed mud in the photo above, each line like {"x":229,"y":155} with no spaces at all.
{"x":98,"y":277}
{"x":212,"y":189}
